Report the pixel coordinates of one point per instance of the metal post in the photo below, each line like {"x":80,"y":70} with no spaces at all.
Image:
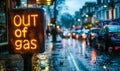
{"x":54,"y":36}
{"x":27,"y":61}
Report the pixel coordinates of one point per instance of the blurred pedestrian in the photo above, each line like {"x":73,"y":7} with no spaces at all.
{"x":54,"y":33}
{"x":47,"y":33}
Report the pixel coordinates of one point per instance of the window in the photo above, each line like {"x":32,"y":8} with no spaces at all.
{"x":107,"y":12}
{"x":116,"y":9}
{"x":119,"y":12}
{"x":3,"y":23}
{"x":108,"y":1}
{"x":102,"y":1}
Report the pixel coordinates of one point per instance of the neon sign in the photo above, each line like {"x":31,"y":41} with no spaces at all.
{"x":26,"y":30}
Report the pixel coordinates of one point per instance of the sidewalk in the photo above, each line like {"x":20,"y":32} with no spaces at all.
{"x":56,"y":58}
{"x":52,"y":58}
{"x":10,"y":62}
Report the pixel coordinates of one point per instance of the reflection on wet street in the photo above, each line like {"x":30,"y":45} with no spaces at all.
{"x":86,"y":58}
{"x":93,"y":57}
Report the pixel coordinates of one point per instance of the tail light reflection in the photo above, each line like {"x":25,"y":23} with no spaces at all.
{"x":93,"y":57}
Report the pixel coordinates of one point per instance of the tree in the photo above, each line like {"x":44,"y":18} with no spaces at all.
{"x":67,"y":20}
{"x":60,"y":5}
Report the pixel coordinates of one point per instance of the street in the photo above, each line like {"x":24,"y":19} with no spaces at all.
{"x":77,"y":56}
{"x":59,"y":35}
{"x":65,"y":55}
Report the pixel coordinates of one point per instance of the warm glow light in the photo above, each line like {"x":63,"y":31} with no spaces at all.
{"x":50,"y":24}
{"x":92,"y":34}
{"x":47,"y":68}
{"x":22,"y":20}
{"x":18,"y":32}
{"x":22,"y":2}
{"x":110,"y":14}
{"x":34,"y":45}
{"x":104,"y":67}
{"x":58,"y":27}
{"x":18,"y":44}
{"x":93,"y":56}
{"x":69,"y":34}
{"x":73,"y":26}
{"x":84,"y":36}
{"x":26,"y":34}
{"x":22,"y":33}
{"x":105,"y":6}
{"x":79,"y":20}
{"x":26,"y":44}
{"x":73,"y":34}
{"x":77,"y":36}
{"x":48,"y":3}
{"x":45,"y":2}
{"x":34,"y":18}
{"x":14,"y":20}
{"x":86,"y":15}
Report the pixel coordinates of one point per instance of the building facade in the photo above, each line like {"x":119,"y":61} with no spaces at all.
{"x":108,"y":11}
{"x":101,"y":12}
{"x":87,"y":13}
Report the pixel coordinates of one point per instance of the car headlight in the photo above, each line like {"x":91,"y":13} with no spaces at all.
{"x":77,"y":36}
{"x":92,"y":34}
{"x":69,"y":34}
{"x":84,"y":35}
{"x":73,"y":34}
{"x":64,"y":34}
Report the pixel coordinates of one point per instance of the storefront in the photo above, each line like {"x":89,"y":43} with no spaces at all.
{"x":3,"y":25}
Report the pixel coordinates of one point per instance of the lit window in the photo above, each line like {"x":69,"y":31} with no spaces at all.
{"x":101,"y":1}
{"x":119,"y":12}
{"x":108,"y":1}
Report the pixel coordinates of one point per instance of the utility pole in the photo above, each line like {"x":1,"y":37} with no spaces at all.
{"x":55,"y":17}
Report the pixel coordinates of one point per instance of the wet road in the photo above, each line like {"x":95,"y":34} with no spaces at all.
{"x":85,"y":58}
{"x":67,"y":55}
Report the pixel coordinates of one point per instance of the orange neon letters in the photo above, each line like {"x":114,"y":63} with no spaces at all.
{"x":18,"y":20}
{"x":23,"y":22}
{"x":26,"y":44}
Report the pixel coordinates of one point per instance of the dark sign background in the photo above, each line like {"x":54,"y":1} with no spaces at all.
{"x":37,"y":32}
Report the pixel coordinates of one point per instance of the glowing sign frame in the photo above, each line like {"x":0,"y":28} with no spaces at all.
{"x":27,"y":30}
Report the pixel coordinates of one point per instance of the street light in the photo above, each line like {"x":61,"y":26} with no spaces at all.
{"x":105,"y":6}
{"x":78,"y":20}
{"x":86,"y":15}
{"x":44,"y":2}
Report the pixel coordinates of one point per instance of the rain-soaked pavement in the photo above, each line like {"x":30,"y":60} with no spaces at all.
{"x":75,"y":55}
{"x":65,"y":55}
{"x":86,"y":58}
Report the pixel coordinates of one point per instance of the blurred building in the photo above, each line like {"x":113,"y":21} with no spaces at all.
{"x":4,"y":6}
{"x":107,"y":11}
{"x":100,"y":12}
{"x":87,"y":13}
{"x":117,"y":10}
{"x":77,"y":17}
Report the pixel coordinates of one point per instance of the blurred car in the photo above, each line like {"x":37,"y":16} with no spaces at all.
{"x":66,"y":34}
{"x":73,"y":34}
{"x":77,"y":34}
{"x":82,"y":34}
{"x":109,"y":37}
{"x":92,"y":35}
